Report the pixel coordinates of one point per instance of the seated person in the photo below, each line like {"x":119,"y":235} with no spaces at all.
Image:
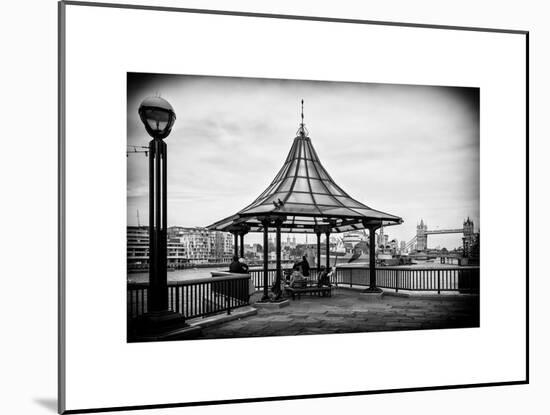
{"x":286,"y":275}
{"x":237,"y":266}
{"x":297,"y":279}
{"x":244,"y":266}
{"x":323,"y":278}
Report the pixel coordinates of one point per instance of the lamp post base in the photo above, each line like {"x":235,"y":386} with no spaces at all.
{"x":161,"y":325}
{"x":373,"y":294}
{"x":283,"y":302}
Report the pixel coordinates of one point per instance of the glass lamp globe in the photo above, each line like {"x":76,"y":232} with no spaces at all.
{"x":158,"y":116}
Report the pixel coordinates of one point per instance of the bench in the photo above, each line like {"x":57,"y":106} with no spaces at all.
{"x":320,"y":291}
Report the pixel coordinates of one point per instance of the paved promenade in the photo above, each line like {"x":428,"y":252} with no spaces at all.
{"x":347,"y":311}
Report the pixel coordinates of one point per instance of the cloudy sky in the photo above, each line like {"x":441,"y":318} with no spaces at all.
{"x":412,"y":151}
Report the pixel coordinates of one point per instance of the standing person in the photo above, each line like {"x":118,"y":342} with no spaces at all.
{"x":305,"y":266}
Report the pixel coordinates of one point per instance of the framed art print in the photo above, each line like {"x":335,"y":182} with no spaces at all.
{"x":316,"y":206}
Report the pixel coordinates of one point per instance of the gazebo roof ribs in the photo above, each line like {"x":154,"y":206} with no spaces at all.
{"x":305,"y":199}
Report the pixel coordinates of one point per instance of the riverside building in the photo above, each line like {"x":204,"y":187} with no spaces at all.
{"x":193,"y":245}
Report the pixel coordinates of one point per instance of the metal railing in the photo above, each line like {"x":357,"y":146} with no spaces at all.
{"x":444,"y":279}
{"x":194,"y":298}
{"x":207,"y":296}
{"x":257,"y":276}
{"x":448,"y":279}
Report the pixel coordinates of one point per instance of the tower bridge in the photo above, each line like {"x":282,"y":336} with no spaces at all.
{"x":419,"y":242}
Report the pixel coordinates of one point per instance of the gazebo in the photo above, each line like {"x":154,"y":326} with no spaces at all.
{"x":303,"y":198}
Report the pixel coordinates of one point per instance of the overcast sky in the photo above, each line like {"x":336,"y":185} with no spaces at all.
{"x":412,"y":151}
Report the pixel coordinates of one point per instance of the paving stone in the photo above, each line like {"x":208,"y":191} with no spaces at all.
{"x":347,"y":312}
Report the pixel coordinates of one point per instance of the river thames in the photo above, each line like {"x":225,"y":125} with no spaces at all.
{"x":197,"y":273}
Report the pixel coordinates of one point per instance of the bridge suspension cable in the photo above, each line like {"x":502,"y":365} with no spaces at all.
{"x":410,"y":243}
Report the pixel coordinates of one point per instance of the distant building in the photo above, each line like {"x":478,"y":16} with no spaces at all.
{"x":273,"y":256}
{"x":202,"y":245}
{"x":290,"y":242}
{"x":250,"y":248}
{"x":196,"y":241}
{"x":137,"y":248}
{"x":184,"y":245}
{"x":221,"y":246}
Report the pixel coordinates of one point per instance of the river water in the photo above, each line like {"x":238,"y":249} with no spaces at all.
{"x":178,"y":275}
{"x":197,"y":273}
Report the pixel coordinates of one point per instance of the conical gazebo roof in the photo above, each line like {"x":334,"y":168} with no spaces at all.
{"x":305,"y":198}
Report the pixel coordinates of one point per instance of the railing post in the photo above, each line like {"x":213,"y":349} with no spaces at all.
{"x":248,"y":295}
{"x":227,"y":304}
{"x":438,"y":282}
{"x":351,"y":278}
{"x":396,"y":280}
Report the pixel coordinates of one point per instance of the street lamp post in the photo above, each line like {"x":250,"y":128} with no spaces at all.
{"x":158,"y":116}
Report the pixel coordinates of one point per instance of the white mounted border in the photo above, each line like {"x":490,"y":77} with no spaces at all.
{"x":100,"y":43}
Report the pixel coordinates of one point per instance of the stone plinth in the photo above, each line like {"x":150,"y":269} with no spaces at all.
{"x":372,"y":296}
{"x":272,"y":304}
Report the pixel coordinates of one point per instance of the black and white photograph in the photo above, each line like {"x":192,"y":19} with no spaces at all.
{"x":274,"y":207}
{"x":264,"y":207}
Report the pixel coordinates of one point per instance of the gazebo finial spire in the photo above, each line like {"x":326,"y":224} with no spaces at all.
{"x":302,"y":131}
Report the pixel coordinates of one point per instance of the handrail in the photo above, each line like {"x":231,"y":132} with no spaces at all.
{"x":397,"y":267}
{"x":193,"y":281}
{"x":464,"y":279}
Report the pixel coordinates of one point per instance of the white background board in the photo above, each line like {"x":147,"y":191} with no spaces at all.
{"x":97,"y":61}
{"x":41,"y":205}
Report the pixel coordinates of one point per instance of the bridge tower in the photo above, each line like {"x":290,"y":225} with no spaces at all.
{"x":469,"y":238}
{"x":421,"y":236}
{"x":468,"y":227}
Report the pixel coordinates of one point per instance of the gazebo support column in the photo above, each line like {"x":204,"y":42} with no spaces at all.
{"x":235,"y":244}
{"x":372,"y":261}
{"x":277,"y":288}
{"x":327,"y":233}
{"x":318,"y":251}
{"x":241,"y":254}
{"x":265,"y":225}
